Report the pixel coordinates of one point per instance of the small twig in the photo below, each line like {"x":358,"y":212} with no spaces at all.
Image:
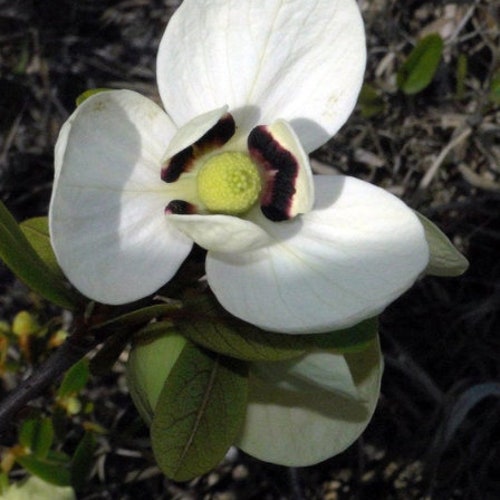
{"x":477,"y":180}
{"x":465,"y":19}
{"x":89,"y":330}
{"x":429,"y":175}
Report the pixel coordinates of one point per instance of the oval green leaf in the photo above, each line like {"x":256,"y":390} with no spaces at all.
{"x":22,"y":259}
{"x":75,"y":379}
{"x":37,"y":434}
{"x":36,"y":231}
{"x":445,"y":259}
{"x":53,"y":472}
{"x":83,"y":461}
{"x":199,"y":413}
{"x":419,"y":69}
{"x":206,"y":323}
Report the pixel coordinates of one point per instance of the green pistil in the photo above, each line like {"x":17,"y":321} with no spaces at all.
{"x":229,"y":183}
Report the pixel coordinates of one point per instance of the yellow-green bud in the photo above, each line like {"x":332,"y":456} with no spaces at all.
{"x":71,"y":404}
{"x":25,"y":323}
{"x":229,"y":183}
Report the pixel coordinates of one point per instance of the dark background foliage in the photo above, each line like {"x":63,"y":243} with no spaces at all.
{"x":434,"y":433}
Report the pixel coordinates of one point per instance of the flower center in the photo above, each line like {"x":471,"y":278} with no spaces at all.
{"x":229,"y":183}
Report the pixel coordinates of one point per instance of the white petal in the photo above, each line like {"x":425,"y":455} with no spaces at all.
{"x":307,"y":425}
{"x":358,"y":250}
{"x":220,"y":233}
{"x":106,"y":216}
{"x":298,"y":60}
{"x":189,"y":133}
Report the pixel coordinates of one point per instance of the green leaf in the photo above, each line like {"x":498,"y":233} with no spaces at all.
{"x":370,"y":101}
{"x":75,"y":379}
{"x":37,"y":434}
{"x":102,"y":362}
{"x":24,"y":262}
{"x":82,"y":461}
{"x":445,"y":259}
{"x":36,"y":231}
{"x":138,"y":317}
{"x":199,"y":413}
{"x":419,"y":69}
{"x":206,"y":323}
{"x":210,"y":326}
{"x":52,"y":471}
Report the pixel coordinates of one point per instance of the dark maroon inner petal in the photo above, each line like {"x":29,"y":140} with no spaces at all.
{"x":180,"y":207}
{"x":177,"y":165}
{"x":214,"y":138}
{"x":217,"y":136}
{"x":281,"y":170}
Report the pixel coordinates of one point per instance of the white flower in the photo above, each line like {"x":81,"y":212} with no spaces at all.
{"x":249,"y":88}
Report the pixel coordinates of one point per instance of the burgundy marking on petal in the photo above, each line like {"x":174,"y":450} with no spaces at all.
{"x":217,"y":136}
{"x":281,"y":171}
{"x":177,"y":165}
{"x":180,"y":207}
{"x":214,"y":138}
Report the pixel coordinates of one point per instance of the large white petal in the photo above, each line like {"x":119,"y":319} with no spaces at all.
{"x":304,"y":424}
{"x":345,"y":261}
{"x":106,"y":215}
{"x":299,"y":60}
